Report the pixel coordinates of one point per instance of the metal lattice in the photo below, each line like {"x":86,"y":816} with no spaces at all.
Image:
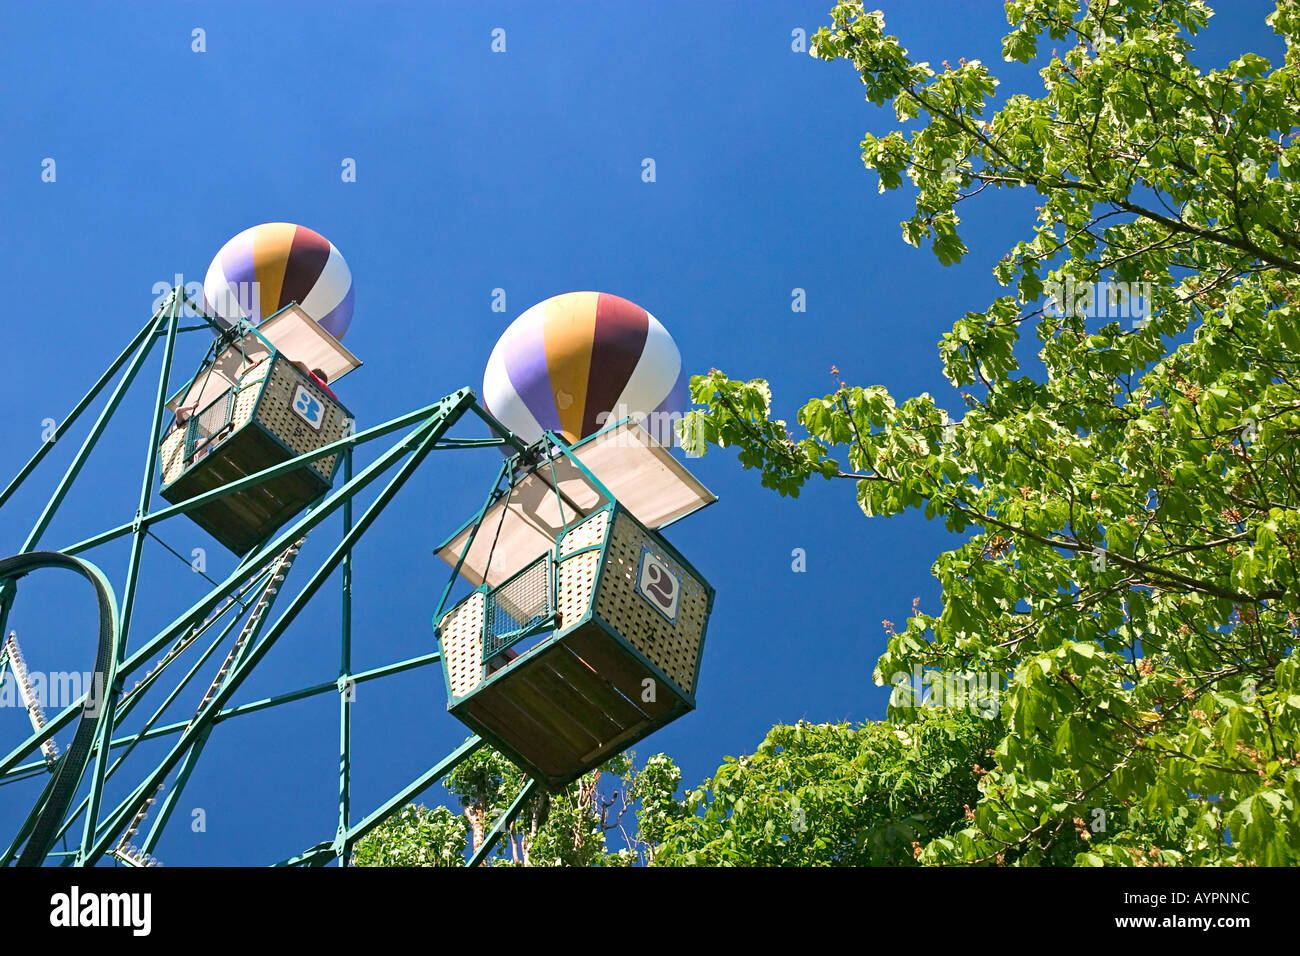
{"x":672,"y":646}
{"x":63,"y":830}
{"x":521,"y":606}
{"x":202,"y":426}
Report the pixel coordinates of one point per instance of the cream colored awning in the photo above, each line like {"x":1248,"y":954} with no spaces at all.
{"x":641,"y":474}
{"x":300,"y":338}
{"x":295,"y":335}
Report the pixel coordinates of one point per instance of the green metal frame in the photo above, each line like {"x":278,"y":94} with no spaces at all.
{"x":222,"y":608}
{"x":537,"y":456}
{"x":500,"y":642}
{"x":276,"y":356}
{"x":230,"y":396}
{"x":555,"y":559}
{"x":192,"y":427}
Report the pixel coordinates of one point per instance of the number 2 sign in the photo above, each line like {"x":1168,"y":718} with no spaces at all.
{"x":657,"y":583}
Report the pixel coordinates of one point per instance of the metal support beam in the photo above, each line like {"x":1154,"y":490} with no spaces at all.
{"x":469,"y":542}
{"x":252,"y":707}
{"x":243,"y":643}
{"x":88,"y":444}
{"x":507,"y":818}
{"x":72,"y":416}
{"x":105,"y":747}
{"x":499,"y":429}
{"x":36,"y":835}
{"x":322,"y":853}
{"x":428,"y":435}
{"x":347,"y":687}
{"x":143,"y":733}
{"x":108,"y":706}
{"x":198,"y":501}
{"x":448,"y":412}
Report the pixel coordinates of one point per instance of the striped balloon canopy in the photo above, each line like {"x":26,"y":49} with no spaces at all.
{"x":578,"y":361}
{"x":263,"y":269}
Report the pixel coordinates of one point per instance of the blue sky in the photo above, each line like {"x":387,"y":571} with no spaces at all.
{"x":475,"y":171}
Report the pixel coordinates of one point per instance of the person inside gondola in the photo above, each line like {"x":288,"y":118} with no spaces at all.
{"x":323,"y":382}
{"x":319,"y":379}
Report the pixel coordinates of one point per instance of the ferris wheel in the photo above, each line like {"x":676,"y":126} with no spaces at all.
{"x":580,"y":628}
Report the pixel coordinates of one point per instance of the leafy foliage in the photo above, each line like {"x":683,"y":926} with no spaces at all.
{"x":569,"y":828}
{"x":1130,"y":515}
{"x":414,"y":836}
{"x":833,"y":794}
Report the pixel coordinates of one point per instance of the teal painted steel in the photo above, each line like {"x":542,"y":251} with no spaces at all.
{"x":71,"y":418}
{"x":505,"y":433}
{"x":144,"y":733}
{"x":252,"y":707}
{"x":37,"y":834}
{"x":88,"y":445}
{"x":503,"y":822}
{"x":426,"y":436}
{"x":519,"y":607}
{"x":235,"y":486}
{"x":323,"y":852}
{"x":100,"y":830}
{"x":445,"y":413}
{"x":108,"y":706}
{"x":346,"y":683}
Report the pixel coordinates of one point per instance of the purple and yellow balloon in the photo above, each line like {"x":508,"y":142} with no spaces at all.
{"x":578,"y":361}
{"x":264,"y":268}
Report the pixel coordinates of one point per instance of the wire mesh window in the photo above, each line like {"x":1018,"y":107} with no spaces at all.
{"x":202,"y":425}
{"x":519,"y":607}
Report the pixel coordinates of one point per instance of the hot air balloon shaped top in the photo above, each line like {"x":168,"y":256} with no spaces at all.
{"x":264,"y":268}
{"x":578,"y":361}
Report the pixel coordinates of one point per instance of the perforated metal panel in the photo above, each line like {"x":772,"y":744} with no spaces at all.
{"x":173,"y":455}
{"x":576,"y":575}
{"x":250,"y":387}
{"x":461,"y":630}
{"x":173,"y":452}
{"x":672,"y":646}
{"x":276,"y":415}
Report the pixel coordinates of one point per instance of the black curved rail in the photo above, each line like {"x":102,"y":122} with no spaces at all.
{"x":72,"y":764}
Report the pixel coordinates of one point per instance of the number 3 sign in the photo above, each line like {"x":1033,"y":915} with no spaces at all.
{"x":656,"y":582}
{"x":306,"y":407}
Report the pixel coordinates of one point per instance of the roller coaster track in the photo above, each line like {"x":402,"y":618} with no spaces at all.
{"x":41,"y":826}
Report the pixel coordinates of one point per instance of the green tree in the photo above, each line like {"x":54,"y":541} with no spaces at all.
{"x":832,"y":794}
{"x":568,"y":828}
{"x":1129,"y":513}
{"x":414,"y":836}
